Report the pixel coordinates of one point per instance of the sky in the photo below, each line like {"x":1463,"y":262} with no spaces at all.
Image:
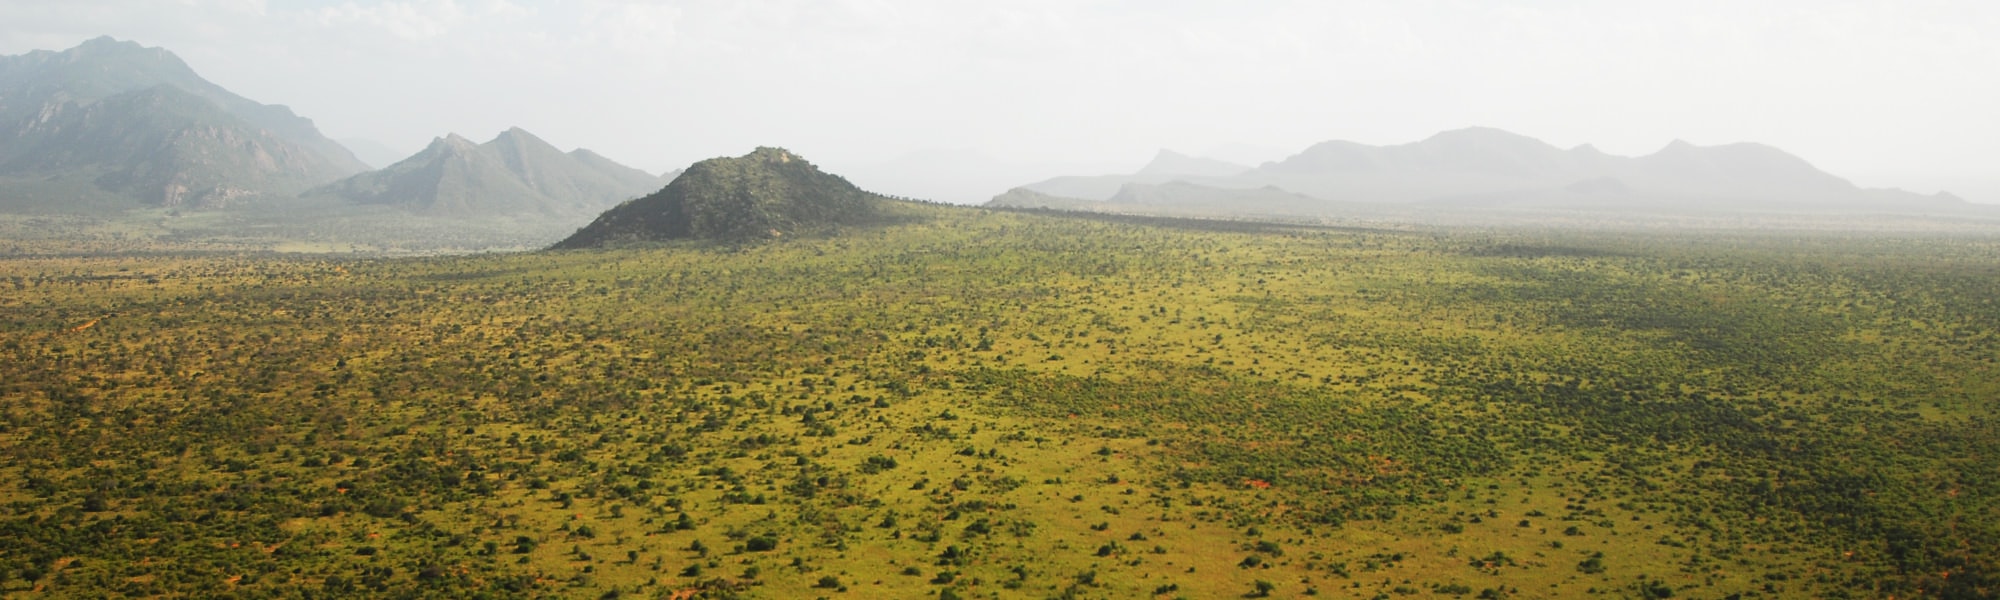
{"x":953,"y":99}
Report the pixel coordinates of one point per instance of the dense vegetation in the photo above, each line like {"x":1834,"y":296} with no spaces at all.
{"x":988,"y":404}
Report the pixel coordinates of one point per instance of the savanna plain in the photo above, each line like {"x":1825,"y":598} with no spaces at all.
{"x":973,"y":403}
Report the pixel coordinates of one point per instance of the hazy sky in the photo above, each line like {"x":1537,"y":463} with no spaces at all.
{"x":1885,"y":93}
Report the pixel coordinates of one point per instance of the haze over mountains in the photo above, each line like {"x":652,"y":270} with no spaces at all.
{"x":112,"y":124}
{"x":1484,"y":168}
{"x":954,"y":175}
{"x":515,"y":173}
{"x":1165,"y":166}
{"x":117,"y":130}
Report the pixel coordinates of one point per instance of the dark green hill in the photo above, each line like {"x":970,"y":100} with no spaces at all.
{"x":767,"y":193}
{"x":515,"y":173}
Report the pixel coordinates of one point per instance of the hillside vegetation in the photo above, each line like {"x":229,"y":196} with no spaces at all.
{"x":767,"y":193}
{"x":979,"y":404}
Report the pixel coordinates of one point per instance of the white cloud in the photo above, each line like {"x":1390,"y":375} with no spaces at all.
{"x":251,"y":7}
{"x":643,"y":28}
{"x":419,"y":20}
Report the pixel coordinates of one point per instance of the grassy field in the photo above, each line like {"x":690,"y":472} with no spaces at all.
{"x":998,"y":405}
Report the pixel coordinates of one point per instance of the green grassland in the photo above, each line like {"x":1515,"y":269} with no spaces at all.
{"x":982,"y":404}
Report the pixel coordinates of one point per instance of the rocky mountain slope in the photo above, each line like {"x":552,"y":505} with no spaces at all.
{"x":120,"y":125}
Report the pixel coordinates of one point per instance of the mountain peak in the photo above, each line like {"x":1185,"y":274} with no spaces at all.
{"x":101,"y":67}
{"x":453,"y":140}
{"x":104,"y":43}
{"x":519,"y":139}
{"x":105,"y":67}
{"x":166,"y":136}
{"x":1746,"y":167}
{"x":127,"y":58}
{"x":1168,"y":163}
{"x":515,"y":132}
{"x":450,"y":144}
{"x":1484,"y":137}
{"x":1477,"y":133}
{"x":771,"y":155}
{"x":514,"y":174}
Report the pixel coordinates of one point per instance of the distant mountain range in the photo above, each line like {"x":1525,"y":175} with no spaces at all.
{"x":1480,"y":168}
{"x":767,"y":193}
{"x":111,"y":124}
{"x":953,"y":175}
{"x":515,"y":173}
{"x":1166,"y":166}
